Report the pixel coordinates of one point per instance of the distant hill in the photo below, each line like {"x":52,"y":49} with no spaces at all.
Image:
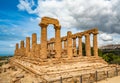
{"x":112,"y":48}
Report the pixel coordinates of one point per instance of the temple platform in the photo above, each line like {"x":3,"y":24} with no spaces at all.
{"x":51,"y":70}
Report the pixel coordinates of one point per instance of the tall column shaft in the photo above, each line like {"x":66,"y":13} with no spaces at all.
{"x":80,"y":45}
{"x":43,"y":41}
{"x":22,"y":49}
{"x":58,"y":42}
{"x":27,"y":45}
{"x":69,"y":45}
{"x":21,"y":44}
{"x":17,"y":46}
{"x":34,"y":41}
{"x":87,"y":45}
{"x":95,"y":46}
{"x":74,"y":46}
{"x":16,"y":49}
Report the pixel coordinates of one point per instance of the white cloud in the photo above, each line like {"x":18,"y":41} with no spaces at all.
{"x":80,"y":15}
{"x":26,"y":5}
{"x":106,"y":37}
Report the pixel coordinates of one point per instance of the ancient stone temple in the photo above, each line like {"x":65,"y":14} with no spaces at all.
{"x":53,"y":47}
{"x":59,"y":57}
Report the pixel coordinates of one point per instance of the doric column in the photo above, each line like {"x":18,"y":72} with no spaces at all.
{"x":34,"y":41}
{"x":57,"y":42}
{"x":16,"y":49}
{"x":95,"y":46}
{"x":43,"y":52}
{"x":17,"y":46}
{"x":22,"y":49}
{"x":27,"y":45}
{"x":69,"y":44}
{"x":87,"y":44}
{"x":74,"y":46}
{"x":74,"y":42}
{"x":80,"y":45}
{"x":21,"y":44}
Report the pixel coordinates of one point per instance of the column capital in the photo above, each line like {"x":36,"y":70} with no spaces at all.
{"x":95,"y":33}
{"x":43,"y":25}
{"x":56,"y":27}
{"x":87,"y":34}
{"x":69,"y":34}
{"x":79,"y":36}
{"x":74,"y":36}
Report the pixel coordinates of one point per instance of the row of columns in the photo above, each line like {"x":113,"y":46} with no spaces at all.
{"x":72,"y":46}
{"x":41,"y":50}
{"x":68,"y":45}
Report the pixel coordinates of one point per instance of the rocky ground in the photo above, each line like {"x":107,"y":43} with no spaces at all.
{"x":10,"y":74}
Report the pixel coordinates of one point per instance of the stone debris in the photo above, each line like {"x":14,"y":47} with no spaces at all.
{"x":20,"y":76}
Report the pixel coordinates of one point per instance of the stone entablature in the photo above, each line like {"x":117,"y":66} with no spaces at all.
{"x":57,"y":47}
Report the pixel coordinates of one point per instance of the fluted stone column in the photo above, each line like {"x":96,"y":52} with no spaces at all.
{"x":95,"y":46}
{"x":74,"y":46}
{"x":17,"y":46}
{"x":43,"y":53}
{"x":22,"y":49}
{"x":80,"y":45}
{"x":21,"y":44}
{"x":34,"y":41}
{"x":16,"y":49}
{"x":27,"y":45}
{"x":69,"y":44}
{"x":87,"y":44}
{"x":57,"y":42}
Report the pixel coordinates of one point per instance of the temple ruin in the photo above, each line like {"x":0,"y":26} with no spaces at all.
{"x":60,"y":58}
{"x":53,"y":47}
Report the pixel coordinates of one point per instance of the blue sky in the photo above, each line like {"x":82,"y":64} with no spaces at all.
{"x":20,"y":18}
{"x":14,"y":26}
